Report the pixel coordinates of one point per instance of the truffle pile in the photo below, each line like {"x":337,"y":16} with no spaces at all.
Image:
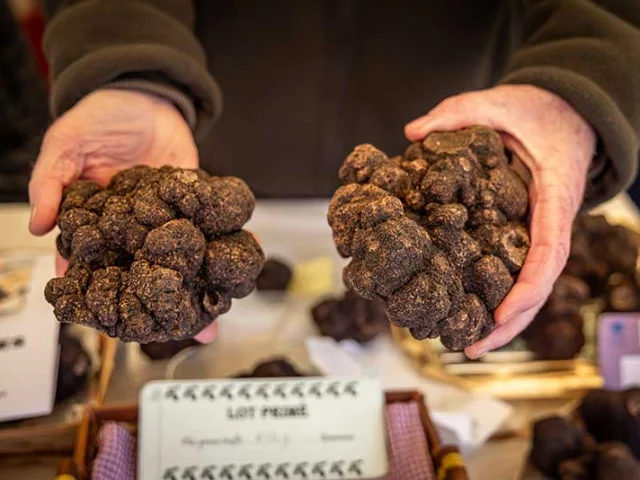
{"x":601,"y":267}
{"x":436,"y":234}
{"x":350,"y":317}
{"x":157,"y":255}
{"x":600,"y":443}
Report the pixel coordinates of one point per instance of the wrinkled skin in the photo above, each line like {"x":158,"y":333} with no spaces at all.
{"x":148,"y":263}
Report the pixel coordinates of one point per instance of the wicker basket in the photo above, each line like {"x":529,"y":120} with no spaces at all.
{"x":446,"y":459}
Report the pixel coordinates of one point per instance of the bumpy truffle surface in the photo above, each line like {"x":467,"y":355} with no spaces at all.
{"x":155,"y":256}
{"x":350,"y":317}
{"x":437,"y":234}
{"x":275,"y":276}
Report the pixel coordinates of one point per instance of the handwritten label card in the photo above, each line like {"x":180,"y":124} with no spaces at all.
{"x":262,"y":429}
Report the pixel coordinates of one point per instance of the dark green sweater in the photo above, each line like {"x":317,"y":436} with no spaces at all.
{"x":304,"y":81}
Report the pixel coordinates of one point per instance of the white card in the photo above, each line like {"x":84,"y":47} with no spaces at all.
{"x":29,"y":350}
{"x":630,"y":371}
{"x":262,"y":429}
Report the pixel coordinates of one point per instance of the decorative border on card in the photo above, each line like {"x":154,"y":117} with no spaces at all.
{"x":236,"y":390}
{"x":268,"y":471}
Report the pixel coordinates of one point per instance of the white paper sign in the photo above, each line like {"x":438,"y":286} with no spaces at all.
{"x":29,"y":351}
{"x":630,"y":371}
{"x":262,"y":429}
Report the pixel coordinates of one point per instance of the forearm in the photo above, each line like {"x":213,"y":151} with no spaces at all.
{"x":96,"y":43}
{"x":587,"y":55}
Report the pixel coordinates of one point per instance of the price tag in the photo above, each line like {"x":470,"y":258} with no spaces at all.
{"x":262,"y":429}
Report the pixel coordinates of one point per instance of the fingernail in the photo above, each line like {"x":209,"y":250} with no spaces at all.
{"x":481,"y":353}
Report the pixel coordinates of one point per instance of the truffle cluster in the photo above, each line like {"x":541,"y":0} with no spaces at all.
{"x":600,"y":443}
{"x":276,"y":367}
{"x":601,"y":267}
{"x":437,"y":234}
{"x":350,"y":317}
{"x":157,"y":255}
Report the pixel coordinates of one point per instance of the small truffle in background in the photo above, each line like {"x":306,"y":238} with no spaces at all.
{"x":74,"y":367}
{"x":350,"y":318}
{"x":273,"y":368}
{"x":555,"y":439}
{"x":275,"y":276}
{"x":613,"y":416}
{"x":623,"y":294}
{"x":164,"y":350}
{"x":614,"y":461}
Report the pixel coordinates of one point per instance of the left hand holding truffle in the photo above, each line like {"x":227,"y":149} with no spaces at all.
{"x":557,"y":145}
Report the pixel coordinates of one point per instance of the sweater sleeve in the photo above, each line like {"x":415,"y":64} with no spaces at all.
{"x":588,"y":52}
{"x":148,"y":45}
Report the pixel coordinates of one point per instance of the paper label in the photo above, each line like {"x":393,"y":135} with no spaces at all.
{"x":28,"y":342}
{"x":630,"y":371}
{"x":262,"y":429}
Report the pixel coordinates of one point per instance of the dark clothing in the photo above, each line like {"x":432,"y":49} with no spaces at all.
{"x":304,"y":81}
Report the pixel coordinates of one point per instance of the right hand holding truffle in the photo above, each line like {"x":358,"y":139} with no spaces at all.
{"x":557,"y":146}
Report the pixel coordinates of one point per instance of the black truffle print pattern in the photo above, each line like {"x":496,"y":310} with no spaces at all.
{"x":437,"y":234}
{"x":155,"y":256}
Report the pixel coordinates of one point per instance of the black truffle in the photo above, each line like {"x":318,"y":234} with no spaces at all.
{"x":350,"y":317}
{"x":275,"y":276}
{"x":74,"y":367}
{"x":273,"y":368}
{"x":555,"y":439}
{"x":164,"y":350}
{"x":438,"y":235}
{"x":155,"y":256}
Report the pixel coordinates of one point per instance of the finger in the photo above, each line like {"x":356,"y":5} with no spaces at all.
{"x":503,"y":334}
{"x":553,"y":213}
{"x":54,"y":169}
{"x":45,"y":195}
{"x":208,"y":333}
{"x":61,"y":265}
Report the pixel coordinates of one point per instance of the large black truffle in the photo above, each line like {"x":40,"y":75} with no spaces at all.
{"x":155,"y":256}
{"x":438,"y":235}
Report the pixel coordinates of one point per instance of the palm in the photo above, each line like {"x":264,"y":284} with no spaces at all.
{"x":106,"y":132}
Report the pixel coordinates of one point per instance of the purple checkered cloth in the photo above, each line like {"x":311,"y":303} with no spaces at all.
{"x":409,"y":457}
{"x":116,"y":458}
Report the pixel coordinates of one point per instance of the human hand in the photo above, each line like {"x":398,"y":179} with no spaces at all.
{"x":108,"y":131}
{"x":557,"y":145}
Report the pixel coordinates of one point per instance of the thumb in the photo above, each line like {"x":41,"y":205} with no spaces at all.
{"x":52,"y":172}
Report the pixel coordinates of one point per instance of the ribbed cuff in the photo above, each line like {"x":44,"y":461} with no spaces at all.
{"x":614,"y":167}
{"x":179,"y":99}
